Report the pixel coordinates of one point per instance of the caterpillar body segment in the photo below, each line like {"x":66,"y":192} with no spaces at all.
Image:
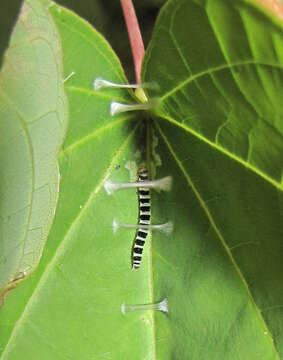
{"x":144,"y":219}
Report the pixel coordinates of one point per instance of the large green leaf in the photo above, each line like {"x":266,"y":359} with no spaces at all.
{"x":32,"y":127}
{"x":71,"y":307}
{"x":220,"y":269}
{"x":221,"y":128}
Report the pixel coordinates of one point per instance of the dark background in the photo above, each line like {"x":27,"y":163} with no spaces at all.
{"x":107,"y":18}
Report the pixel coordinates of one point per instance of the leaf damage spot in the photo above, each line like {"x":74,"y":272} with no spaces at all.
{"x":146,"y":321}
{"x":133,"y":169}
{"x":12,"y":284}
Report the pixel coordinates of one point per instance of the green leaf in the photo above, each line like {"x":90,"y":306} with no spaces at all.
{"x":33,"y":122}
{"x":107,"y":18}
{"x":71,"y":307}
{"x":220,"y":269}
{"x":220,"y":124}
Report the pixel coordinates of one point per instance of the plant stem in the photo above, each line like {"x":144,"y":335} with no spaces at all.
{"x":274,"y":6}
{"x":134,"y":36}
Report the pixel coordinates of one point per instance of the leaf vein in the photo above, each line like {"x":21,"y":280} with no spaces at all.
{"x":93,"y":135}
{"x":218,"y":234}
{"x":224,"y":151}
{"x":213,"y":70}
{"x":61,"y":247}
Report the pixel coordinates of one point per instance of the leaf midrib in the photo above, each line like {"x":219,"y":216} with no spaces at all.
{"x":93,"y":135}
{"x":96,"y":93}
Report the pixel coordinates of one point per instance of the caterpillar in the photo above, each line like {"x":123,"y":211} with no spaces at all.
{"x":144,"y":219}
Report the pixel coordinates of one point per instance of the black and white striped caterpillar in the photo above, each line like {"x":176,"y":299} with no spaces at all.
{"x":144,"y":219}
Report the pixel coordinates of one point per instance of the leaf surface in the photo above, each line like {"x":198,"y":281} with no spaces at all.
{"x":33,"y":123}
{"x":220,"y":269}
{"x":71,"y":307}
{"x":220,"y":124}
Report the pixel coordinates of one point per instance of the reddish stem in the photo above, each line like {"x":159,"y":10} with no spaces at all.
{"x":134,"y":36}
{"x":274,"y":6}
